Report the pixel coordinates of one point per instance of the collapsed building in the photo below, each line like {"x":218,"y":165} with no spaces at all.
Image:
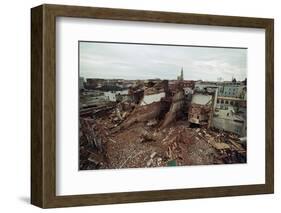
{"x":156,"y":123}
{"x":202,"y":107}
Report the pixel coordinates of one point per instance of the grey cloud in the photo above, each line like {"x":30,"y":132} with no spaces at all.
{"x":133,"y":61}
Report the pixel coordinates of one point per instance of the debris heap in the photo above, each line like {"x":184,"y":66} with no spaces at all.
{"x":131,"y":134}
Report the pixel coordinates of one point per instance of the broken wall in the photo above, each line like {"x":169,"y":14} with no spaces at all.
{"x":176,"y":109}
{"x":143,"y":113}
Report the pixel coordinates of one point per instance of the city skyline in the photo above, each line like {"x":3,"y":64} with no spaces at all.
{"x":142,"y":61}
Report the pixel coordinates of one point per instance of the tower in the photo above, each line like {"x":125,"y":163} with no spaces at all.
{"x":181,"y":77}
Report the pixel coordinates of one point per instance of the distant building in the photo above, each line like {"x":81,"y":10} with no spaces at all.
{"x":114,"y":96}
{"x":81,"y":83}
{"x":201,"y":85}
{"x":232,"y":90}
{"x":92,"y":83}
{"x":225,"y":89}
{"x":224,"y":102}
{"x":174,"y":84}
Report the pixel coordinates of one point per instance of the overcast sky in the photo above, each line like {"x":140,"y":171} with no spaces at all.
{"x":134,"y":61}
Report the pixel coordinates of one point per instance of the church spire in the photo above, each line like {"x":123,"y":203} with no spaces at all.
{"x":182,"y":73}
{"x":180,"y":77}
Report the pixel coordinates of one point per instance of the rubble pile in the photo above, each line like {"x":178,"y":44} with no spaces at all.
{"x":227,"y":145}
{"x":92,"y":145}
{"x":127,"y":134}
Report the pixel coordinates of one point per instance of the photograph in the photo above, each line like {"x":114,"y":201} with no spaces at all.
{"x":144,"y":105}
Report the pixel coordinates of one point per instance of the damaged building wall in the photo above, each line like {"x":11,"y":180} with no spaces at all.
{"x":142,"y":113}
{"x":235,"y":126}
{"x":148,"y":99}
{"x":228,"y":120}
{"x":202,"y":107}
{"x":176,"y":108}
{"x":159,"y":103}
{"x":199,"y":114}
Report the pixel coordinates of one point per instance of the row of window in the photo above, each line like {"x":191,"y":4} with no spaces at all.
{"x":229,"y":91}
{"x":221,"y":101}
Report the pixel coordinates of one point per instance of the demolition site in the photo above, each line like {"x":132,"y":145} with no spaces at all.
{"x":158,"y":123}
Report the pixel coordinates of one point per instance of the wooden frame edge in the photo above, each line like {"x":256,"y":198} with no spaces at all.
{"x":36,"y":106}
{"x":269,"y":105}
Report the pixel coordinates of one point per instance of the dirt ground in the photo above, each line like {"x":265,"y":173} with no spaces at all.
{"x":144,"y":144}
